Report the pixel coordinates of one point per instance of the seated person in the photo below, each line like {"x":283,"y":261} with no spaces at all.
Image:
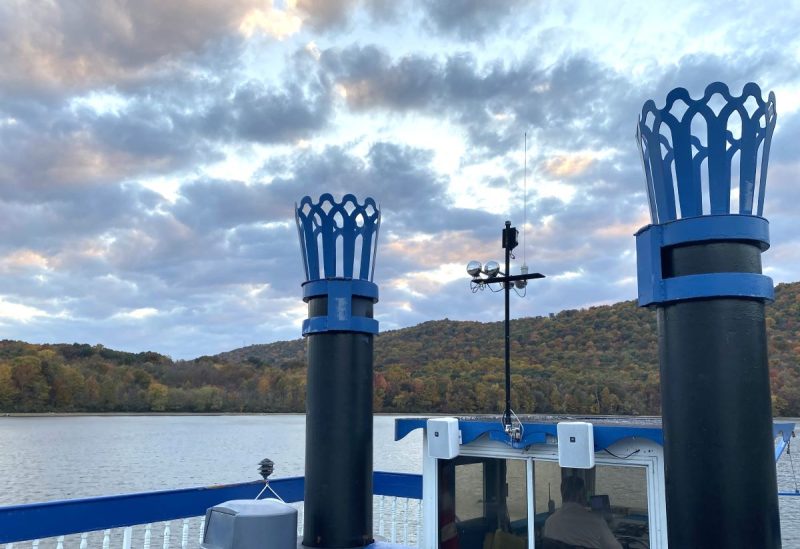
{"x":574,"y":524}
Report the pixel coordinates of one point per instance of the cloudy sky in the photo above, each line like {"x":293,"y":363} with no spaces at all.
{"x":151,"y":152}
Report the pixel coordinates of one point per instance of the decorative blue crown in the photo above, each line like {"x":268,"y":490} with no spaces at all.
{"x":680,"y":163}
{"x":334,"y":235}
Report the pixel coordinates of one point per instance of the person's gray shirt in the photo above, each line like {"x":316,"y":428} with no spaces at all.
{"x":575,"y":525}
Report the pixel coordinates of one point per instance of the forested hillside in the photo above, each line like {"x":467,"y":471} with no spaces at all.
{"x":598,"y":360}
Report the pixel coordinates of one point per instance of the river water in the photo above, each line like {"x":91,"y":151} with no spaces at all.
{"x":47,"y":458}
{"x":51,"y":458}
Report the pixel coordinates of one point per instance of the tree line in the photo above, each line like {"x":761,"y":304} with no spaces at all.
{"x":601,"y":360}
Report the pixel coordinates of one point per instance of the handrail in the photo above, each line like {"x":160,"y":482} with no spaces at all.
{"x":57,"y":518}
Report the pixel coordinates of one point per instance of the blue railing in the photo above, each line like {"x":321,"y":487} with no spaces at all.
{"x":57,"y":518}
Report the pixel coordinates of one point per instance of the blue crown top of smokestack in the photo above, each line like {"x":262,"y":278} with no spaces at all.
{"x":701,"y":155}
{"x":338,"y":239}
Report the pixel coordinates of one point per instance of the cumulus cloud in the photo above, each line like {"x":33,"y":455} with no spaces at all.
{"x":469,"y":19}
{"x":326,"y":14}
{"x":400,"y":178}
{"x":165,"y":125}
{"x":551,"y":101}
{"x":287,"y":114}
{"x":76,"y":44}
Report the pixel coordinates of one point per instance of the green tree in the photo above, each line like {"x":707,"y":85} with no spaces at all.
{"x":67,"y":388}
{"x":157,"y":395}
{"x":33,"y":390}
{"x":8,"y":390}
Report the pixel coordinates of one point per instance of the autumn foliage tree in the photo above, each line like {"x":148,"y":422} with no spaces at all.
{"x":601,"y":360}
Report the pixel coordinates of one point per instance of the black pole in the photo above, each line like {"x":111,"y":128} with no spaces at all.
{"x":507,"y":325}
{"x":509,"y":243}
{"x":340,"y":330}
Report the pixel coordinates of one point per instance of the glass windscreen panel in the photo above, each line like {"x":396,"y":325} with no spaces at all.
{"x":482,"y":504}
{"x":601,"y":507}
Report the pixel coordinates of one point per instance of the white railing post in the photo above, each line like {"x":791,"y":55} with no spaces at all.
{"x":106,"y":539}
{"x":147,"y":534}
{"x":301,"y":519}
{"x":394,"y":519}
{"x":202,"y":529}
{"x":60,"y":542}
{"x":84,"y":540}
{"x":36,"y":544}
{"x":380,"y":514}
{"x":167,"y":535}
{"x":419,"y":523}
{"x":405,"y":525}
{"x":127,"y":537}
{"x":185,"y":534}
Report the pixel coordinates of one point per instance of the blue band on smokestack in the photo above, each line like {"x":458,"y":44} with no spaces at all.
{"x":340,"y":295}
{"x":651,"y":240}
{"x":674,"y":161}
{"x":338,"y":242}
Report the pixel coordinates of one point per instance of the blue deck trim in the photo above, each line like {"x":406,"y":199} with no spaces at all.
{"x":56,"y":518}
{"x":780,"y":447}
{"x":534,"y":433}
{"x":405,"y":425}
{"x":402,"y":485}
{"x":387,"y":545}
{"x":784,"y":431}
{"x":605,"y":436}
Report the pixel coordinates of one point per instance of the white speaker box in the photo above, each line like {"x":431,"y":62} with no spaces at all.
{"x":444,"y":437}
{"x":575,"y":444}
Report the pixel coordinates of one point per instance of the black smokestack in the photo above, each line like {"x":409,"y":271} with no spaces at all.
{"x":338,"y":241}
{"x":700,"y":266}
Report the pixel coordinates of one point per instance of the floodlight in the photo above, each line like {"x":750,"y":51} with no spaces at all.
{"x":474,"y":268}
{"x":491,"y":268}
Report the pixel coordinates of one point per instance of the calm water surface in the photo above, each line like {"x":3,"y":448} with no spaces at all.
{"x":47,"y":458}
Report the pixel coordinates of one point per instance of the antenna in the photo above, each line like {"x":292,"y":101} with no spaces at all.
{"x":525,"y":201}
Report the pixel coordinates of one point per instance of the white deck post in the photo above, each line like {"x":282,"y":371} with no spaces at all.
{"x":127,"y":537}
{"x":166,"y":535}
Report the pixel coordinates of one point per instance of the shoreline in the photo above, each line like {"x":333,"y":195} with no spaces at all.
{"x":175,"y":414}
{"x":214,"y":414}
